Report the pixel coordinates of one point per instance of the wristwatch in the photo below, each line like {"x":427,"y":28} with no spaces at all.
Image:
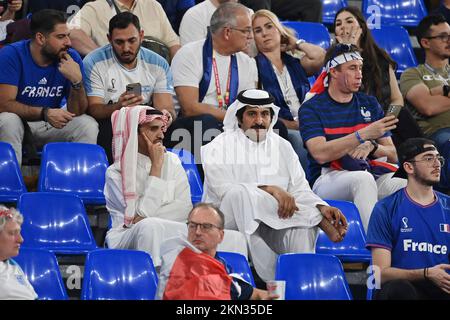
{"x":375,"y":146}
{"x":77,"y":85}
{"x":299,"y":42}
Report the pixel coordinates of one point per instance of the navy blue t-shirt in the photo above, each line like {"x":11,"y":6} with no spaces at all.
{"x":417,"y":236}
{"x":36,"y":86}
{"x":323,"y":116}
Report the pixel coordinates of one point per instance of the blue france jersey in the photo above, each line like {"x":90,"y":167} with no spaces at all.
{"x":323,"y":116}
{"x":36,"y":86}
{"x":417,"y":236}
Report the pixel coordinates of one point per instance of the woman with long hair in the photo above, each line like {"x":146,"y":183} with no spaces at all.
{"x":378,"y":69}
{"x":282,"y":74}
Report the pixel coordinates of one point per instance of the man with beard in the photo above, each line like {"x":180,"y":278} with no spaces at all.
{"x":426,"y":88}
{"x":255,"y":178}
{"x":35,"y":76}
{"x":409,"y":231}
{"x":123,"y":61}
{"x":347,"y":136}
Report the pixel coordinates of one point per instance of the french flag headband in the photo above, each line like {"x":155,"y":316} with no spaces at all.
{"x":344,"y":53}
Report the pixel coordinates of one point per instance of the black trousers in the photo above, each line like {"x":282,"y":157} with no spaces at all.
{"x":294,"y":10}
{"x":408,"y":290}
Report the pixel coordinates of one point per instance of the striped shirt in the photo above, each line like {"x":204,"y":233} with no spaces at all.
{"x":321,"y":116}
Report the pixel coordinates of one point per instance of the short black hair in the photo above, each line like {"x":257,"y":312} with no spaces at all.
{"x":123,"y":20}
{"x":44,"y":21}
{"x":213,"y":207}
{"x":240,"y":112}
{"x":423,"y":29}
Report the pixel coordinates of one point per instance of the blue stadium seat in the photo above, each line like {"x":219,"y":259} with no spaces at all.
{"x":239,"y":265}
{"x":11,"y":180}
{"x":42,"y":270}
{"x":312,"y":277}
{"x":330,"y":8}
{"x":56,"y":222}
{"x":395,"y":40}
{"x":312,"y":32}
{"x":353,"y":247}
{"x":406,"y":13}
{"x":195,"y":182}
{"x":119,"y":275}
{"x":76,"y":168}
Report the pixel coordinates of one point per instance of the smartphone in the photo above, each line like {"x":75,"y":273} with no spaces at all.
{"x":394,"y":109}
{"x":134,"y":88}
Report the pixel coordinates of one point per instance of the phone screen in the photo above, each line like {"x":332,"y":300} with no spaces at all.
{"x":134,"y":88}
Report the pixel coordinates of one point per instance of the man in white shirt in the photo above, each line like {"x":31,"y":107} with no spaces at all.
{"x":256,"y":179}
{"x":196,"y":20}
{"x":146,"y":190}
{"x":112,"y":67}
{"x":208,"y":74}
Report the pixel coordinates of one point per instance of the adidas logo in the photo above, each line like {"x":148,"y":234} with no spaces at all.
{"x":43,"y":81}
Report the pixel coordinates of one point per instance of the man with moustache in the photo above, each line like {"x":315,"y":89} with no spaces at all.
{"x":123,"y":61}
{"x":346,"y":134}
{"x":254,"y":176}
{"x":35,"y":76}
{"x":409,"y":231}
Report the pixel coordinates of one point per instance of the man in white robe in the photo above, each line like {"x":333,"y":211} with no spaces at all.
{"x":147,"y":192}
{"x":254,"y":176}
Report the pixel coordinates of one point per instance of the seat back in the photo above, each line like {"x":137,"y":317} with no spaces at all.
{"x":119,"y":275}
{"x":395,"y":12}
{"x":77,"y":168}
{"x":312,"y":277}
{"x":330,"y":8}
{"x":42,"y":270}
{"x":353,"y":247}
{"x":55,"y":222}
{"x":11,"y":180}
{"x":312,"y":32}
{"x":395,"y":40}
{"x":239,"y":265}
{"x":195,"y":182}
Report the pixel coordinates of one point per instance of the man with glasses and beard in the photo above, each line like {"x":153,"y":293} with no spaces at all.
{"x":123,"y":61}
{"x":35,"y":77}
{"x":409,"y":231}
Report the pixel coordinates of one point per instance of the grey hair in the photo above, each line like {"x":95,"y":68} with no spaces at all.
{"x":225,"y":16}
{"x":212,"y":207}
{"x":15,"y":215}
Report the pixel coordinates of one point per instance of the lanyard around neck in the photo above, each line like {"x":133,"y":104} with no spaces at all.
{"x":223,"y":101}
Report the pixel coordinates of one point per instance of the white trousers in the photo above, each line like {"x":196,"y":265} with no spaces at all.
{"x":359,"y":187}
{"x":83,"y":128}
{"x":148,"y":235}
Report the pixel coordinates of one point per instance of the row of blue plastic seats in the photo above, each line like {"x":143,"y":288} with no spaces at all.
{"x":130,"y":275}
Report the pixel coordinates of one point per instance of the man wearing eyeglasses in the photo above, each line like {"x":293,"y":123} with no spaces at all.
{"x":409,"y":231}
{"x":426,"y":88}
{"x":212,"y":277}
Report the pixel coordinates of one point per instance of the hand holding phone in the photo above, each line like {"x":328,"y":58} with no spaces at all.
{"x":394,"y":109}
{"x":134,"y":88}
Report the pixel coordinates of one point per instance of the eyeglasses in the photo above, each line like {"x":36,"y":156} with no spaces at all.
{"x":430,"y":160}
{"x":246,"y":31}
{"x":442,"y":37}
{"x":204,"y":227}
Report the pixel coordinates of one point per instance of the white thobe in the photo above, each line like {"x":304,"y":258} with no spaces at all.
{"x":234,"y":168}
